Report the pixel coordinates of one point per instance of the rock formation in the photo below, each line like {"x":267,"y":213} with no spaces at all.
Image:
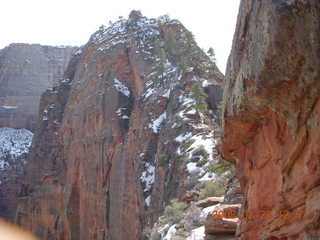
{"x":26,"y":71}
{"x":14,"y":148}
{"x":126,"y":130}
{"x":271,"y":118}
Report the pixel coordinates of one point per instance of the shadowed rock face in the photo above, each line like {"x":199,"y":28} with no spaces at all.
{"x":94,"y":170}
{"x":271,"y":124}
{"x":25,"y":72}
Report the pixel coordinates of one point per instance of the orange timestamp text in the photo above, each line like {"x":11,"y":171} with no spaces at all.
{"x":252,"y":215}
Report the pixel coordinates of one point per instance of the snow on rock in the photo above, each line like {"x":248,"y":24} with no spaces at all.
{"x":147,"y":176}
{"x":208,"y":176}
{"x":192,"y":168}
{"x":172,"y":230}
{"x":183,"y":137}
{"x":147,"y":200}
{"x":205,"y":140}
{"x":121,"y":87}
{"x":9,"y":107}
{"x":149,"y":92}
{"x":204,"y":213}
{"x":197,"y":234}
{"x":121,"y":112}
{"x":14,"y":142}
{"x":166,"y":94}
{"x":155,"y":125}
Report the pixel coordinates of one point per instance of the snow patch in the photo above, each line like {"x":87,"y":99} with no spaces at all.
{"x":172,"y":230}
{"x":204,"y":213}
{"x":9,"y":107}
{"x":148,"y":93}
{"x":147,"y":176}
{"x":156,"y":123}
{"x":121,"y":87}
{"x":147,"y":200}
{"x":197,"y":234}
{"x":183,"y":137}
{"x":166,"y":94}
{"x":14,"y":142}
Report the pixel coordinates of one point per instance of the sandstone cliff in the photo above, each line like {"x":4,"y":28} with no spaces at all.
{"x":121,"y":135}
{"x":26,"y":71}
{"x":271,"y":124}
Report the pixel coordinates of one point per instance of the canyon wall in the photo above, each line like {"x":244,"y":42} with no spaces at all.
{"x":271,"y":118}
{"x":109,"y":151}
{"x":26,"y":71}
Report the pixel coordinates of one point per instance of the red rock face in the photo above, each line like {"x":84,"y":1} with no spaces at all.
{"x":93,"y":171}
{"x":26,"y":71}
{"x":271,"y":125}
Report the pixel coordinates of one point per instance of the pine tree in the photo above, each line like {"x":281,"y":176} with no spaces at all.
{"x":212,"y":54}
{"x":170,"y":44}
{"x":200,"y":97}
{"x":161,"y":59}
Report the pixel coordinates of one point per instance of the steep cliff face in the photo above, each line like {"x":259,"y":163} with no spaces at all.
{"x":271,"y":125}
{"x":26,"y":71}
{"x":110,"y":150}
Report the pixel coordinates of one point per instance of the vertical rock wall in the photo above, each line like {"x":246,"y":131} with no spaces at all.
{"x":26,"y":70}
{"x":271,"y":118}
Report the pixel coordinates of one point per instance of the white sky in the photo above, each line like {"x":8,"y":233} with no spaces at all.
{"x":71,"y":22}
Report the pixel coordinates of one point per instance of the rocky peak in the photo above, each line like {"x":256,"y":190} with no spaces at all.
{"x":128,"y":129}
{"x":135,"y":15}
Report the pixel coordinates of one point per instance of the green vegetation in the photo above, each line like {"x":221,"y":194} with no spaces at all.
{"x":202,"y":162}
{"x":213,"y":189}
{"x":174,"y":212}
{"x":187,"y":145}
{"x":201,"y":151}
{"x":163,"y":160}
{"x":160,"y":62}
{"x":211,"y":54}
{"x":222,"y":167}
{"x":219,"y":115}
{"x":200,"y":97}
{"x":179,"y":49}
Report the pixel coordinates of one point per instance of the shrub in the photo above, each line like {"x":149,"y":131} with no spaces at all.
{"x":187,"y":145}
{"x":200,"y":151}
{"x":192,"y":218}
{"x":222,"y":167}
{"x":174,"y":212}
{"x":201,"y":162}
{"x":213,"y":189}
{"x":162,"y":160}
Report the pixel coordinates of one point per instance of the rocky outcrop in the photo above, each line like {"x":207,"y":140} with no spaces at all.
{"x":14,"y":147}
{"x":26,"y":71}
{"x":114,"y":143}
{"x":271,"y":118}
{"x":210,"y":201}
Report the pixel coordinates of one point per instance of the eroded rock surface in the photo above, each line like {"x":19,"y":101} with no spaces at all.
{"x":110,"y":150}
{"x":26,"y":71}
{"x":271,"y":124}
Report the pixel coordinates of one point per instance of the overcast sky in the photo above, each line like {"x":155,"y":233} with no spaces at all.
{"x":71,"y":22}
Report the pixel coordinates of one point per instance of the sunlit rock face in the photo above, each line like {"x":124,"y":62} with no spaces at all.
{"x":109,"y":150}
{"x":271,"y":124}
{"x":26,"y":70}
